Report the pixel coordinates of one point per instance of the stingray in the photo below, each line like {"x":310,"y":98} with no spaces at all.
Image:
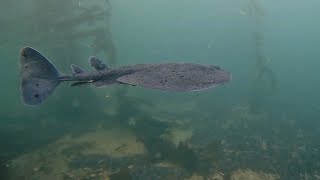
{"x":39,"y":77}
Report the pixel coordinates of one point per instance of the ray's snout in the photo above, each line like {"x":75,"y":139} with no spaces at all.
{"x":223,"y":76}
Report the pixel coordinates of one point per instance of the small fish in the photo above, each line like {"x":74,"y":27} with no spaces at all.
{"x":39,"y":77}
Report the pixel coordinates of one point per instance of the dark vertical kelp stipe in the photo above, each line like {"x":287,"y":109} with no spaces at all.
{"x":264,"y":79}
{"x":263,"y":125}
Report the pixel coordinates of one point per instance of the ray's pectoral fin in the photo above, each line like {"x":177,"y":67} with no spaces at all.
{"x":97,"y":64}
{"x":140,"y":79}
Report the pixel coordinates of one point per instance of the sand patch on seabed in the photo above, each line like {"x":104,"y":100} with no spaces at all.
{"x":51,"y":161}
{"x":241,"y":174}
{"x":252,"y":175}
{"x":178,"y":135}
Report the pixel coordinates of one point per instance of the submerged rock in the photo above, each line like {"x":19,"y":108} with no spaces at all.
{"x":123,"y":174}
{"x":79,"y":157}
{"x":185,"y":157}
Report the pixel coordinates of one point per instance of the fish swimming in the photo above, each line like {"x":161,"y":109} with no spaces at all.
{"x":39,"y":77}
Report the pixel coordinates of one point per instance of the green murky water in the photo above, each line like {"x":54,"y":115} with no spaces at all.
{"x":264,"y":124}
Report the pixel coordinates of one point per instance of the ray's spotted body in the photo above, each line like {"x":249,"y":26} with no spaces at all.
{"x":39,"y":77}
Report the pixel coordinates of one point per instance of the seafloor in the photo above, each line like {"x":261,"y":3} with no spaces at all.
{"x":113,"y":154}
{"x":147,"y":145}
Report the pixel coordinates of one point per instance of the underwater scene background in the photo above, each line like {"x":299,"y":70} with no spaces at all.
{"x":263,"y":125}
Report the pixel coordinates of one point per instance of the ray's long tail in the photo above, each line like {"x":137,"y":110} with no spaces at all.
{"x":39,"y":77}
